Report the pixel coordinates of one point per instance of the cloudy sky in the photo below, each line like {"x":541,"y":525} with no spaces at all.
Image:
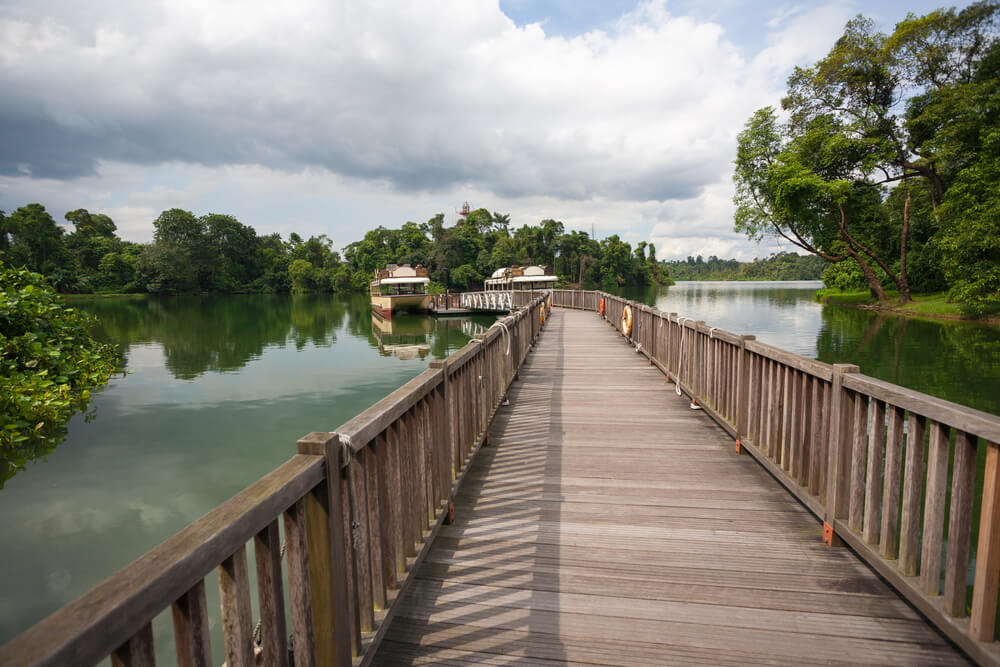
{"x":322,"y":116}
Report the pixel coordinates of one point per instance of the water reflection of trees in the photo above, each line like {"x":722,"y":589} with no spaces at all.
{"x":218,"y":333}
{"x":199,"y":334}
{"x":958,"y":361}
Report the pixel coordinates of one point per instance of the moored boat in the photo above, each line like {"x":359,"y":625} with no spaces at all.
{"x":521,"y":279}
{"x":397,"y":288}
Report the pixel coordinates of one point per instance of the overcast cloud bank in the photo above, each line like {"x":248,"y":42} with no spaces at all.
{"x":318,"y":117}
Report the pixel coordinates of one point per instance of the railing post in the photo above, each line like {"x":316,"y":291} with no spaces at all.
{"x":984,"y":591}
{"x":839,"y":468}
{"x":742,"y":390}
{"x":326,"y":546}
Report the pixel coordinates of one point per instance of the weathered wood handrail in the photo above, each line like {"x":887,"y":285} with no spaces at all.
{"x":360,"y":507}
{"x":843,"y":443}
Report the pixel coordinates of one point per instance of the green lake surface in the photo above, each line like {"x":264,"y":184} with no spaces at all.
{"x":219,"y":388}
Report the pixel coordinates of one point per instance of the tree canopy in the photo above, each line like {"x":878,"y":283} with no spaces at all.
{"x":218,"y":253}
{"x":881,"y":156}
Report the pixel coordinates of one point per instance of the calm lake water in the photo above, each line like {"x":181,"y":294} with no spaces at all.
{"x":219,"y":389}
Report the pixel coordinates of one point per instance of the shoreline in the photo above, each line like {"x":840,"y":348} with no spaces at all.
{"x":862,"y":301}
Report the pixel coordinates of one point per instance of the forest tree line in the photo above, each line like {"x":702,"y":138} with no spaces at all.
{"x":884,"y":159}
{"x":779,"y":266}
{"x":218,"y":253}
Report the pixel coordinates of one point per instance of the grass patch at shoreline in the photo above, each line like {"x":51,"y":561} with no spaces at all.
{"x":935,"y":305}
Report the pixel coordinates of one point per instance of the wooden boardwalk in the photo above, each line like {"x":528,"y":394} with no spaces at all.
{"x":609,"y":524}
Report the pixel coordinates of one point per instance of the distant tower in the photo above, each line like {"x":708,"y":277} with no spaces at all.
{"x":466,"y":209}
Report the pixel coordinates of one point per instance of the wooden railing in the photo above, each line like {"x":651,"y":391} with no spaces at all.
{"x":579,"y":299}
{"x":869,"y":458}
{"x":445,"y":301}
{"x":360,"y":507}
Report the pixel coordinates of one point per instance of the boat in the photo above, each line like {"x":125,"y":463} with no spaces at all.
{"x":521,"y":279}
{"x":398,"y":288}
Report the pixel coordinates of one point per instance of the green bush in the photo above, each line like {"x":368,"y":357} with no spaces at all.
{"x":49,"y":365}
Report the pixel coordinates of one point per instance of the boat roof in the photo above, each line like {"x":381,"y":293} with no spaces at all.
{"x":404,"y":281}
{"x":534,"y":279}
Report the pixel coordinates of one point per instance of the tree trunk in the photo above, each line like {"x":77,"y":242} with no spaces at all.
{"x":904,"y":281}
{"x":873,"y":284}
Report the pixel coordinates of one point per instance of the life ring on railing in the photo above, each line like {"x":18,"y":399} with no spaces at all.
{"x":548,"y":304}
{"x":541,"y":315}
{"x":602,"y":306}
{"x":627,"y":321}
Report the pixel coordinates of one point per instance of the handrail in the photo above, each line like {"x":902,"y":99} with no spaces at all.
{"x":360,"y":508}
{"x":869,"y":458}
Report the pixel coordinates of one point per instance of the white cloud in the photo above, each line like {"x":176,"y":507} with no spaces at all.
{"x":324,"y":117}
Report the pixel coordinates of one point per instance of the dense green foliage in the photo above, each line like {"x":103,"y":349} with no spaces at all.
{"x":779,"y":266}
{"x":50,"y":366}
{"x":885,"y":160}
{"x":218,"y":253}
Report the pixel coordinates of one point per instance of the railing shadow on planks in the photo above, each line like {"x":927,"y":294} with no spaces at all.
{"x":841,"y":443}
{"x":360,"y":507}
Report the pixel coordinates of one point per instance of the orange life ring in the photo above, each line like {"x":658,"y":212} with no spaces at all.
{"x":627,"y":321}
{"x":602,"y":306}
{"x":541,"y":315}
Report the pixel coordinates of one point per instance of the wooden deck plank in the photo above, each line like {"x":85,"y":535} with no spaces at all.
{"x":610,"y":524}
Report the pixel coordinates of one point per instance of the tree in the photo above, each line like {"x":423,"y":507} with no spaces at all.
{"x":49,"y":366}
{"x":465,"y":276}
{"x":232,"y":250}
{"x":303,"y":275}
{"x":819,"y":180}
{"x":36,"y":242}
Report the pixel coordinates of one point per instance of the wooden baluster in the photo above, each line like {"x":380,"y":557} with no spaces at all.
{"x":804,"y":429}
{"x":873,"y":476}
{"x":984,"y":591}
{"x":350,"y":571}
{"x":137,"y":651}
{"x":454,"y":435}
{"x":816,"y":437}
{"x":795,"y":422}
{"x":299,"y":588}
{"x":358,"y":477}
{"x":376,"y":536}
{"x":934,"y":500}
{"x":889,"y":539}
{"x":422,"y":443}
{"x":859,"y":452}
{"x":963,"y":478}
{"x":406,"y":482}
{"x":234,"y":598}
{"x":787,"y":393}
{"x":270,"y":596}
{"x":735,"y":354}
{"x":756,"y":399}
{"x":773,"y":410}
{"x":913,"y":483}
{"x":766,"y":393}
{"x":430,"y":458}
{"x":388,"y":502}
{"x":192,"y":638}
